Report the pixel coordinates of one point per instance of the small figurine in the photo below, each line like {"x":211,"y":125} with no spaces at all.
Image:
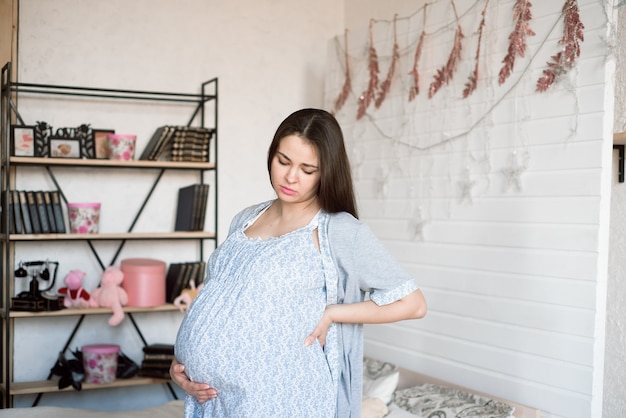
{"x":75,"y":295}
{"x":110,"y":294}
{"x":185,"y":298}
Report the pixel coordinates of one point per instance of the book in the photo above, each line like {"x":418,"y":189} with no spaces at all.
{"x":199,"y":279}
{"x":157,"y":356}
{"x":159,"y":348}
{"x":187,"y":196}
{"x":157,"y":364}
{"x":156,"y":143}
{"x":173,"y":271}
{"x":182,"y":280}
{"x":33,"y":212}
{"x":14,"y":205}
{"x":42,"y":212}
{"x":47,"y":197}
{"x":55,"y":196}
{"x":155,"y":373}
{"x":23,"y":207}
{"x":199,"y":209}
{"x":186,"y":144}
{"x":16,"y":213}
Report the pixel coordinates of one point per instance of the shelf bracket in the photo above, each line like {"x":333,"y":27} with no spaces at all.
{"x":620,"y":149}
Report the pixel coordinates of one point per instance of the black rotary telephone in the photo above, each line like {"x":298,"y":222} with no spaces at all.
{"x":36,"y":298}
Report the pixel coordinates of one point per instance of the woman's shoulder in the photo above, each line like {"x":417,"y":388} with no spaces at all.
{"x":248,"y":213}
{"x":343,"y":224}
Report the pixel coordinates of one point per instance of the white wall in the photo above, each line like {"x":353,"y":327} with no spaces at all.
{"x":498,"y":203}
{"x":270,"y":58}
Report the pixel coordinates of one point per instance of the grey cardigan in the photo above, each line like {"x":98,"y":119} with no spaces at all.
{"x":356,"y":266}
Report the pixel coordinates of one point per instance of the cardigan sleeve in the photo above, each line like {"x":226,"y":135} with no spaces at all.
{"x":364,"y":265}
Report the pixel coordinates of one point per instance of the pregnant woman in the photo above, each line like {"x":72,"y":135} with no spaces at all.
{"x":276,"y":330}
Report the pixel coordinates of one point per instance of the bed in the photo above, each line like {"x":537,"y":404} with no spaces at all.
{"x":388,"y":391}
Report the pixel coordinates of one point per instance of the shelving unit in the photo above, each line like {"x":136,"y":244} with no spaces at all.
{"x":11,"y":165}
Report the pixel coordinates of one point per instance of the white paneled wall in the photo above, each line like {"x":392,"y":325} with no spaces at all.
{"x":497,"y":203}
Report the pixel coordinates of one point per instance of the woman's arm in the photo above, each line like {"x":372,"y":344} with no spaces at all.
{"x":412,"y":306}
{"x":201,"y":391}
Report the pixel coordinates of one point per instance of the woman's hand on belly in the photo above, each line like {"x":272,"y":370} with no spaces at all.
{"x":201,"y":391}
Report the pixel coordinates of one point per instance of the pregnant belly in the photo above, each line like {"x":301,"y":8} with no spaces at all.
{"x":245,"y":353}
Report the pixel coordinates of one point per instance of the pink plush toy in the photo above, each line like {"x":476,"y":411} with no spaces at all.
{"x":75,"y":295}
{"x":110,"y":294}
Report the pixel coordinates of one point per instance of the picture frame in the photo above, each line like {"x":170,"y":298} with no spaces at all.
{"x":84,"y":133}
{"x":43,"y":132}
{"x":23,"y":140}
{"x":62,"y":147}
{"x":100,"y":142}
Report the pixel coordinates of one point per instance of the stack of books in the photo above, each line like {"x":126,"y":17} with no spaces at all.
{"x":179,"y":277}
{"x":157,"y":359}
{"x":34,"y":212}
{"x":179,"y":143}
{"x":191,"y":207}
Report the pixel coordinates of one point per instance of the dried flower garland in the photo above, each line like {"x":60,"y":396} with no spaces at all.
{"x":366,"y":98}
{"x":563,"y":61}
{"x":472,"y":81}
{"x":445,"y":73}
{"x":415,"y":76}
{"x":415,"y":88}
{"x":395,"y":56}
{"x":345,"y":90}
{"x":517,"y":39}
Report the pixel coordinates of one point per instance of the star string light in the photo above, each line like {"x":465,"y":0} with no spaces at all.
{"x":513,"y":173}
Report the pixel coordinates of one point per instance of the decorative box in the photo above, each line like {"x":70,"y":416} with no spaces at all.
{"x":144,"y":281}
{"x":84,"y":217}
{"x":100,"y":362}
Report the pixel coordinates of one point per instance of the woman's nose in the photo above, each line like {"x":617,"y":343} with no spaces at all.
{"x":292,"y":175}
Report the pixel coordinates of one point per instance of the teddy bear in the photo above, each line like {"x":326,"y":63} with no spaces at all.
{"x":74,"y":294}
{"x":110,"y":294}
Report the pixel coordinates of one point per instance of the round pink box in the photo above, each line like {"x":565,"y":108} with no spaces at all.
{"x":144,"y":281}
{"x":100,"y":362}
{"x":84,"y":217}
{"x":121,"y":146}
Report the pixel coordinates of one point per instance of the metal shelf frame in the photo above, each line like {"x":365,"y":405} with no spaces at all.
{"x":10,"y":91}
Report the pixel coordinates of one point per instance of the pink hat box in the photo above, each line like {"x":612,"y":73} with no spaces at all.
{"x":144,"y":281}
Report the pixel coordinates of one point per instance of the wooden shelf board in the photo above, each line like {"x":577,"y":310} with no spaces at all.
{"x":91,"y":311}
{"x":47,"y":386}
{"x":76,"y":162}
{"x":113,"y":236}
{"x":619,"y":138}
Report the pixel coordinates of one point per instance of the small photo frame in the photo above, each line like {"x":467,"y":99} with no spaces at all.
{"x":61,"y":147}
{"x":23,"y":141}
{"x":100,"y":142}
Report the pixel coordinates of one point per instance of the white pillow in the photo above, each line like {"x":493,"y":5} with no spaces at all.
{"x":380,"y":379}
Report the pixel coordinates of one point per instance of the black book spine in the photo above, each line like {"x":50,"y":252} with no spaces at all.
{"x":170,"y":281}
{"x":184,"y":210}
{"x":58,"y":211}
{"x":14,"y":207}
{"x":42,"y":212}
{"x":47,"y":197}
{"x":28,"y":226}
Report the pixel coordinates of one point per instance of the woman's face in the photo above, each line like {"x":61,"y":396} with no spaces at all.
{"x":295,"y":171}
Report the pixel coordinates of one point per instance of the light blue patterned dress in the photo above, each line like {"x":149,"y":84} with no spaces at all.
{"x":244,"y":333}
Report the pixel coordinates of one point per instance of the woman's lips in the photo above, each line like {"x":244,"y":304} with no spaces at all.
{"x":287,"y":190}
